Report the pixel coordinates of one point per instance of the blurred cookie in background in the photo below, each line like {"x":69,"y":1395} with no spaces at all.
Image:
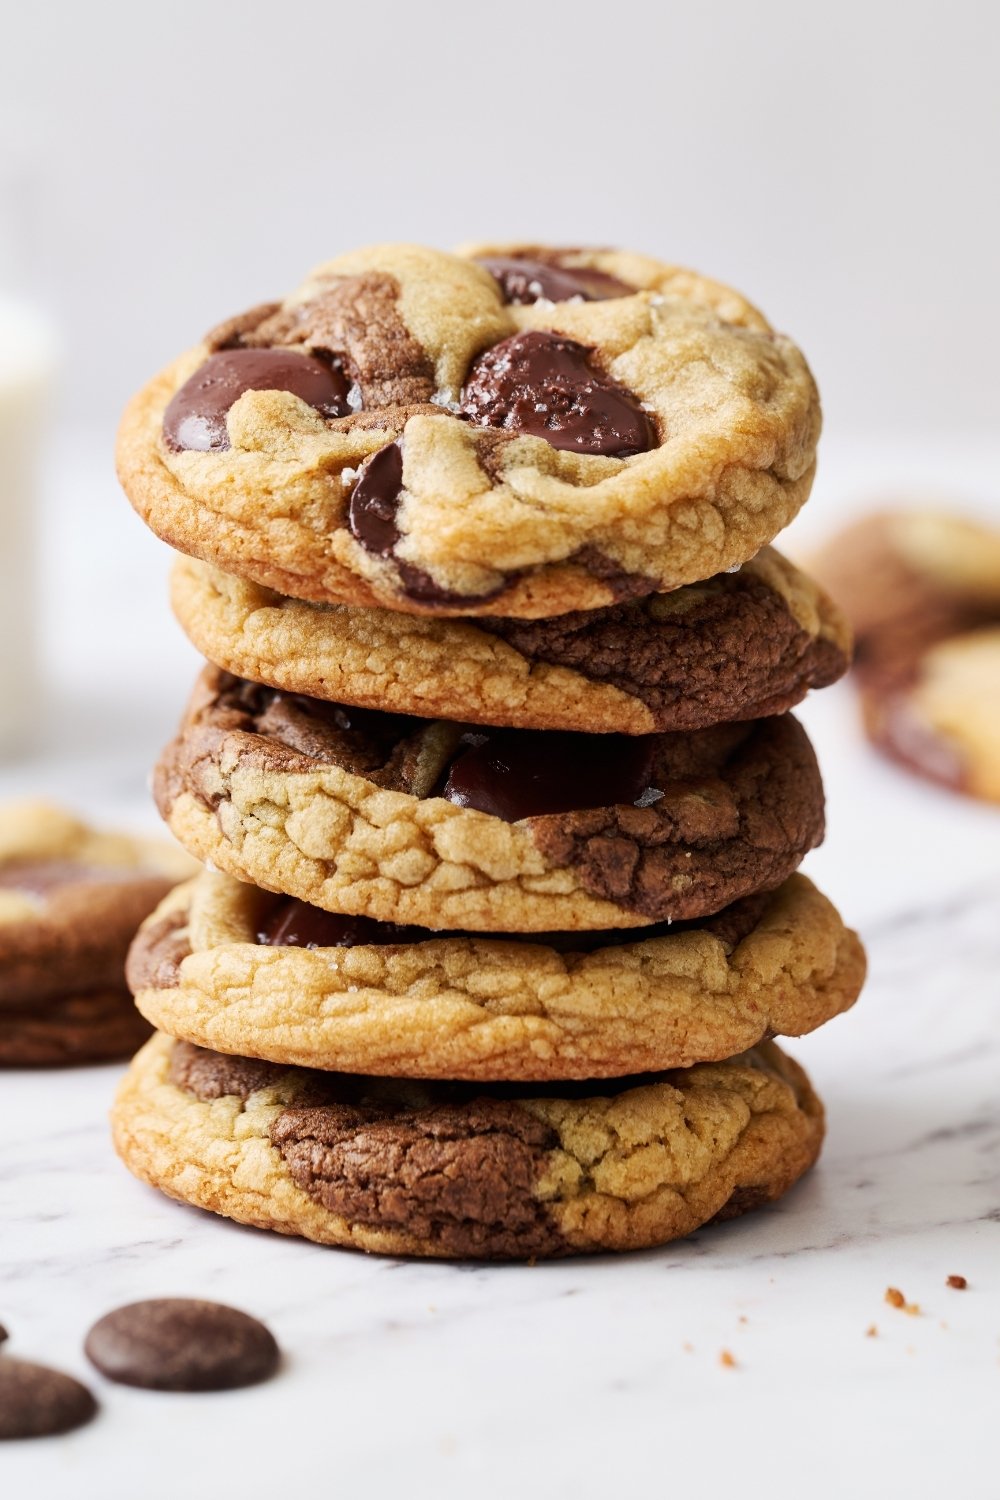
{"x":71,"y":898}
{"x":922,"y":590}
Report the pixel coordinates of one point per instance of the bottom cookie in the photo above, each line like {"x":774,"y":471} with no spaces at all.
{"x":453,"y":1170}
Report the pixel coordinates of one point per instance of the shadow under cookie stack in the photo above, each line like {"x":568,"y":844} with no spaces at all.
{"x":492,"y":766}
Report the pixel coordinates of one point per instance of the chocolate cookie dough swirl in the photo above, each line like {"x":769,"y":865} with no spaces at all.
{"x":491,"y":762}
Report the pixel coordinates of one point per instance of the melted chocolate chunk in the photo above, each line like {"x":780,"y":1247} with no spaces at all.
{"x":543,"y":385}
{"x":526,"y":773}
{"x":374,"y":500}
{"x":523,"y":281}
{"x":296,"y":924}
{"x":371,"y":517}
{"x":195,"y":420}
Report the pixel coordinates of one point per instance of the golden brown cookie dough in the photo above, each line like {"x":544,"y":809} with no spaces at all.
{"x":340,"y":807}
{"x":740,"y":646}
{"x":485,"y":517}
{"x":71,"y":899}
{"x":456,"y":1006}
{"x":405,"y":1168}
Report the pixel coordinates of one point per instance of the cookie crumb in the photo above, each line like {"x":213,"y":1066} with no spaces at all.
{"x":871,"y":1332}
{"x":895,"y":1298}
{"x":958,"y":1282}
{"x":743,"y":1318}
{"x":688,"y":1348}
{"x":726,"y":1360}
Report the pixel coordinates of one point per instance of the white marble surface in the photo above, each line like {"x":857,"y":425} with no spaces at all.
{"x":573,"y":1378}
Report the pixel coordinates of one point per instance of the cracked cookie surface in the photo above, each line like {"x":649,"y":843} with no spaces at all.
{"x":407,"y":1168}
{"x":740,"y":646}
{"x":680,"y":436}
{"x":382,"y":816}
{"x":227,"y":966}
{"x":71,"y":899}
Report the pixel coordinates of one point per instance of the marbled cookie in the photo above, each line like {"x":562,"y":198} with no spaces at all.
{"x":443,"y":1169}
{"x":71,"y":899}
{"x":740,"y":646}
{"x":429,"y":822}
{"x":242,"y":971}
{"x":912,"y":576}
{"x":941,"y":718}
{"x":421,"y":431}
{"x":923,"y":591}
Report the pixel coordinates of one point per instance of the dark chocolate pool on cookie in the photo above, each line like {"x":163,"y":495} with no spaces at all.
{"x":196,"y":417}
{"x":295,"y":924}
{"x":524,"y":280}
{"x":543,"y":384}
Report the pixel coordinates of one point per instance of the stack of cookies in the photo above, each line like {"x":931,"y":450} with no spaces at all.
{"x":492,"y":766}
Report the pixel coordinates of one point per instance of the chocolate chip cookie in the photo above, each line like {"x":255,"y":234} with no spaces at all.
{"x":942,"y":717}
{"x":434,"y":823}
{"x":520,"y":434}
{"x":923,"y":590}
{"x":71,"y":899}
{"x":240,"y":970}
{"x":740,"y":646}
{"x":445,"y":1169}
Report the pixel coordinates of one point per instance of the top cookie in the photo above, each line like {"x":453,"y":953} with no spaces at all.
{"x":512,"y":431}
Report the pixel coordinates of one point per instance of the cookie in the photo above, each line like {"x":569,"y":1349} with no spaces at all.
{"x":37,"y":1401}
{"x":941,"y":718}
{"x":905,"y":578}
{"x":420,"y":821}
{"x":71,"y":899}
{"x":923,"y":590}
{"x":182,"y":1344}
{"x":443,"y":1169}
{"x":412,"y":430}
{"x":239,"y":970}
{"x":742,"y":645}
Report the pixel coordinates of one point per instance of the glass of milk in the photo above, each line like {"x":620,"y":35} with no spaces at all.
{"x":27,"y":355}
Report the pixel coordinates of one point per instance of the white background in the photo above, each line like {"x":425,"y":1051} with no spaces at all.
{"x":837,"y":162}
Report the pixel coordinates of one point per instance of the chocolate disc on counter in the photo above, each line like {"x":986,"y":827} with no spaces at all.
{"x":182,"y":1344}
{"x":37,"y":1401}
